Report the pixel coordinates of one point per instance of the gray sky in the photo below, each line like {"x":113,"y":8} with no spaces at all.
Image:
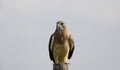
{"x":26,"y":25}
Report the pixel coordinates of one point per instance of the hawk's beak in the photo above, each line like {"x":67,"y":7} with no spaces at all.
{"x":58,"y":26}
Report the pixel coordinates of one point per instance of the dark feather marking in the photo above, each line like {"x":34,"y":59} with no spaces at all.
{"x":71,"y":44}
{"x":50,"y":51}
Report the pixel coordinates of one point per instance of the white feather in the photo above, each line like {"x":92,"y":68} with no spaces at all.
{"x":51,"y":45}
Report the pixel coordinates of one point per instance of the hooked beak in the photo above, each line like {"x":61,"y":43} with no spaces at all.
{"x":59,"y":27}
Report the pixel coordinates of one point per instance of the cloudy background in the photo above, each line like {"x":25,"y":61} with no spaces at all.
{"x":26,"y":25}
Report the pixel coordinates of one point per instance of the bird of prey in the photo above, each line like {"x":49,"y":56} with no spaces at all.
{"x":61,"y":44}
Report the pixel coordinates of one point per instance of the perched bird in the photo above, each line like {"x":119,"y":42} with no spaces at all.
{"x":61,"y":44}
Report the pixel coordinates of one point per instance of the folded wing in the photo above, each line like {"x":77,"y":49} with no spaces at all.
{"x":51,"y":42}
{"x":71,"y":46}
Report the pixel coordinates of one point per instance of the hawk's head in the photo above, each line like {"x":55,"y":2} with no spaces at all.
{"x":61,"y":28}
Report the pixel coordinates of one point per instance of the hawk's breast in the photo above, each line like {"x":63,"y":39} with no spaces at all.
{"x":60,"y":51}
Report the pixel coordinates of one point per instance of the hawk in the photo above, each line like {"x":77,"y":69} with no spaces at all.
{"x":61,"y":44}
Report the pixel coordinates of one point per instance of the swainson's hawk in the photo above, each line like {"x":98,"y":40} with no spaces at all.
{"x":61,"y":44}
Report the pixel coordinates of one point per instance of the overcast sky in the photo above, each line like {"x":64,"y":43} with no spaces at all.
{"x":26,"y":26}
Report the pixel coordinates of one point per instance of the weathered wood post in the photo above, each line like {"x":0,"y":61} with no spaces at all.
{"x":60,"y":66}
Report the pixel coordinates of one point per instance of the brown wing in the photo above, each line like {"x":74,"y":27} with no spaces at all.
{"x":71,"y":45}
{"x":51,"y":41}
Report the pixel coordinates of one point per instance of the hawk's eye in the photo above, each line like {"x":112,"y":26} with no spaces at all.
{"x":61,"y":23}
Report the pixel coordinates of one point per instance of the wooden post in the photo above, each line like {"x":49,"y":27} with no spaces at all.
{"x":60,"y":66}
